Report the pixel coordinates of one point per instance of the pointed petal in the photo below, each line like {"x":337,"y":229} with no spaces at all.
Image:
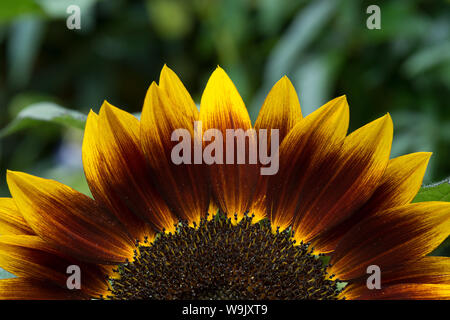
{"x":107,"y":177}
{"x":304,"y":156}
{"x":395,"y":236}
{"x":31,"y":257}
{"x":183,"y":185}
{"x":399,"y":186}
{"x":137,"y":188}
{"x":11,"y":220}
{"x":355,"y":174}
{"x":177,"y":93}
{"x":280,"y":111}
{"x":428,"y":270}
{"x":222,"y":108}
{"x":410,"y":291}
{"x":69,"y":220}
{"x":29,"y":289}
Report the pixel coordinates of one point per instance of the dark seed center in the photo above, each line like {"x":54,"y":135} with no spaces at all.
{"x":219,"y":259}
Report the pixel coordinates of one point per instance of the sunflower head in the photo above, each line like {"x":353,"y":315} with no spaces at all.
{"x":221,"y":260}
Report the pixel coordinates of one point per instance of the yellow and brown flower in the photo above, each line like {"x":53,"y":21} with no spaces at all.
{"x":146,"y":232}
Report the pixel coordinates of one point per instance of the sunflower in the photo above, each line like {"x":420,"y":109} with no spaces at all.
{"x":154,"y":229}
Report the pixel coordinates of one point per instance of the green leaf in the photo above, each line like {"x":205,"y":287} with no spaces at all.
{"x":435,"y":192}
{"x":44,"y":112}
{"x":9,"y":10}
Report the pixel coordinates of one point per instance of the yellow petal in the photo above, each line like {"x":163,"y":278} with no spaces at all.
{"x":11,"y":220}
{"x":410,"y":291}
{"x":136,"y":185}
{"x":428,"y":270}
{"x":280,"y":111}
{"x":222,"y":108}
{"x":399,"y":186}
{"x":183,"y":186}
{"x":355,"y":174}
{"x":177,"y":93}
{"x":221,"y":105}
{"x":402,"y":180}
{"x":304,"y":156}
{"x":31,"y":257}
{"x":31,"y":289}
{"x":390,"y":238}
{"x":69,"y":220}
{"x":105,"y":154}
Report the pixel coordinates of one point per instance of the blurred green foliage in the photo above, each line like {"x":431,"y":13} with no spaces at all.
{"x":324,"y":47}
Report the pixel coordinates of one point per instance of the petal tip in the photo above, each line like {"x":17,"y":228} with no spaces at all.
{"x":218,"y":73}
{"x":153,"y":86}
{"x":107,"y":111}
{"x":385,"y":123}
{"x":91,"y":121}
{"x":14,"y":179}
{"x":165,"y":73}
{"x":106,"y":107}
{"x":285,"y":82}
{"x":341,"y":105}
{"x":387,"y":117}
{"x":10,"y":174}
{"x":426,"y":156}
{"x":92,"y":113}
{"x":151,"y":91}
{"x":343,"y":98}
